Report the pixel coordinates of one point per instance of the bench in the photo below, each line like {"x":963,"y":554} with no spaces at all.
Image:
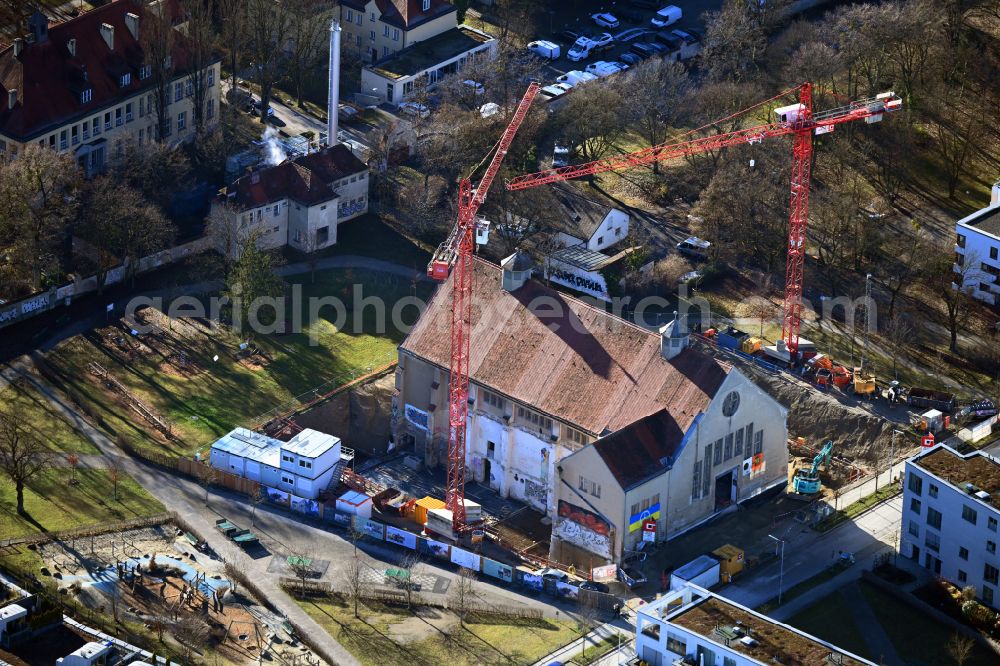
{"x":226,"y":527}
{"x":244,"y":538}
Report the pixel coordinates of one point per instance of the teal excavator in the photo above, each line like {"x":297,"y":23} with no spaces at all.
{"x":806,"y":481}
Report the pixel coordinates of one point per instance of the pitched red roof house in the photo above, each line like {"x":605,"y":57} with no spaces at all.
{"x":307,"y":179}
{"x":566,"y":358}
{"x":405,"y":14}
{"x":57,"y":64}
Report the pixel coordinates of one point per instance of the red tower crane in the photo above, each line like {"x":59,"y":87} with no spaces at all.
{"x":797,"y":120}
{"x":456,"y":252}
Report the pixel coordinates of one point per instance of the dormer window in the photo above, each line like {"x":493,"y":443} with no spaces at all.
{"x":125,"y":80}
{"x":86,"y":95}
{"x":427,"y":5}
{"x":145,"y":72}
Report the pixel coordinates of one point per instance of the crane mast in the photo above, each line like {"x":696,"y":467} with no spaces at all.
{"x":455,"y":254}
{"x":797,"y":120}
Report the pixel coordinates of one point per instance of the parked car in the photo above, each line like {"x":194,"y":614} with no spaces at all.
{"x":594,"y":586}
{"x":256,"y":109}
{"x":560,"y":155}
{"x":239,"y":98}
{"x":602,"y":68}
{"x":690,"y":276}
{"x":630,"y":58}
{"x":606,"y":20}
{"x":694,"y":247}
{"x":346,"y":111}
{"x":622,"y":66}
{"x":575,"y":77}
{"x":580,"y":49}
{"x":557,"y":89}
{"x":671,"y":41}
{"x":414,"y":109}
{"x":544,"y":49}
{"x":475,"y":84}
{"x":658,"y":49}
{"x":489,"y":109}
{"x":686,"y":36}
{"x":548,"y":573}
{"x":667,"y":16}
{"x":604,"y":39}
{"x":631,"y":576}
{"x":642,"y":49}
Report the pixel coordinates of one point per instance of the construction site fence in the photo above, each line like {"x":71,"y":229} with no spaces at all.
{"x":92,"y":530}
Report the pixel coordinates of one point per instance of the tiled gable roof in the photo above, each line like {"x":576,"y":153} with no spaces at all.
{"x":49,"y":79}
{"x":644,"y":448}
{"x":566,"y":358}
{"x":306,"y":179}
{"x":408,"y":14}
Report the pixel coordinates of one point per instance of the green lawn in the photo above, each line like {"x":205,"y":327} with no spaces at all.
{"x":210,"y":397}
{"x":387,"y":635}
{"x":35,"y":412}
{"x":53,"y":504}
{"x":857,"y":508}
{"x":918,"y":638}
{"x":831,"y":620}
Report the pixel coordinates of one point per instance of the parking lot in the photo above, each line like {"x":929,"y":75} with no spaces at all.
{"x":634,"y":26}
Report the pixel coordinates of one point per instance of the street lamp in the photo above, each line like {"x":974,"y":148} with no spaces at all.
{"x":781,"y":571}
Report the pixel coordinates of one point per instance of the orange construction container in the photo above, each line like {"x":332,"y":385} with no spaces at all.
{"x":423,"y":505}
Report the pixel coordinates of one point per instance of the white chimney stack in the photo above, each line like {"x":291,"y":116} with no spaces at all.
{"x":11,"y":98}
{"x":132,"y":23}
{"x":108,"y":33}
{"x":71,"y":46}
{"x":18,"y":46}
{"x":333,"y":96}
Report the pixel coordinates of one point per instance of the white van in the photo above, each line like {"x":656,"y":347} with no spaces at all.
{"x":667,"y":16}
{"x":602,"y":68}
{"x":544,"y":49}
{"x":575,"y":77}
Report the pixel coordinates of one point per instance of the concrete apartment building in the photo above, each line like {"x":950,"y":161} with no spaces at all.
{"x":595,"y":422}
{"x":978,"y":243}
{"x":951,"y":512}
{"x":302,"y":466}
{"x":693,"y":626}
{"x":84,"y":86}
{"x":376,"y":29}
{"x":299,"y":202}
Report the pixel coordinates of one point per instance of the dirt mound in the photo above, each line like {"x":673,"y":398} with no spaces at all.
{"x":857,"y":434}
{"x":360,"y":416}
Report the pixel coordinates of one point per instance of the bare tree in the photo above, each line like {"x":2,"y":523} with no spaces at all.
{"x":942,"y":278}
{"x":960,"y":648}
{"x":233,"y":16}
{"x":22,"y":454}
{"x":256,"y":497}
{"x":73,"y":461}
{"x":267,"y":32}
{"x":591,"y":120}
{"x":355,"y":581}
{"x":958,"y":130}
{"x":192,"y":632}
{"x":897,"y":332}
{"x":464,"y":593}
{"x":235,"y":570}
{"x":408,"y":565}
{"x":761,"y":309}
{"x":200,"y":38}
{"x":115,"y":474}
{"x":656,"y":113}
{"x":307,"y":30}
{"x":157,"y":40}
{"x":206,"y":477}
{"x":37,"y":202}
{"x":301,"y":566}
{"x":227,"y":232}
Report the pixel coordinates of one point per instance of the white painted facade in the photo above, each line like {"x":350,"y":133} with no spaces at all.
{"x":303,"y":466}
{"x":91,"y":654}
{"x":950,"y":531}
{"x":612,"y":230}
{"x":662,"y":640}
{"x":978,"y":244}
{"x":306,"y":228}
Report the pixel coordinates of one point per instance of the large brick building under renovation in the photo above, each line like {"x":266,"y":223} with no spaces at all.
{"x":594,"y":421}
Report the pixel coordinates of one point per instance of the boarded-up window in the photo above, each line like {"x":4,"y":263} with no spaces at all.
{"x":758,"y":442}
{"x":718,"y":452}
{"x":695,"y":481}
{"x":738,"y":451}
{"x":729,"y":446}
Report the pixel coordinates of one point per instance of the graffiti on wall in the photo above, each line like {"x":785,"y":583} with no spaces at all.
{"x":584,"y":529}
{"x":536,"y":494}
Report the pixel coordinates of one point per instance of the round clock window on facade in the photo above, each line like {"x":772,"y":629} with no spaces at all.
{"x":731,"y":403}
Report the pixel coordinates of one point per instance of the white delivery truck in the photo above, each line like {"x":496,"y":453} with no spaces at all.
{"x":544,"y":49}
{"x":667,"y":16}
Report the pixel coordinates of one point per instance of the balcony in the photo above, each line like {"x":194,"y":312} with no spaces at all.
{"x":107,"y":126}
{"x":86,"y":134}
